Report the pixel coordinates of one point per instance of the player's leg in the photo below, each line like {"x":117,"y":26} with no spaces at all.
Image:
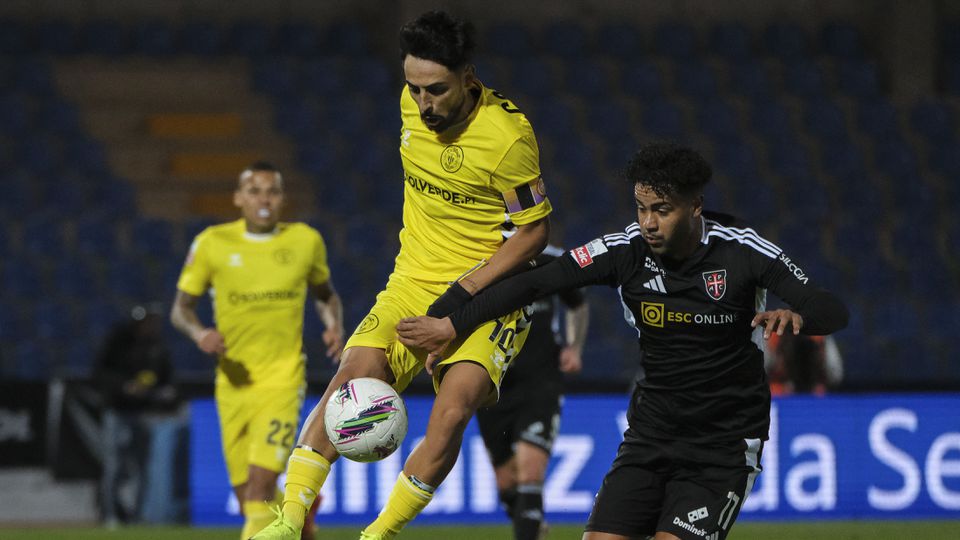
{"x":310,"y":460}
{"x":704,"y":494}
{"x":464,"y":387}
{"x":258,"y":496}
{"x":498,"y":430}
{"x":528,"y":510}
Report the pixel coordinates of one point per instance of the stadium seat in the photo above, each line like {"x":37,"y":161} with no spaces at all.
{"x":823,"y":118}
{"x":277,"y":79}
{"x":249,"y":38}
{"x":532,"y":76}
{"x":945,"y":159}
{"x":842,"y":159}
{"x":104,"y":38}
{"x":610,"y":119}
{"x":567,"y":40}
{"x":895,"y":158}
{"x":59,"y":117}
{"x":771,"y":120}
{"x":370,"y":76}
{"x":55,"y":36}
{"x":731,"y":40}
{"x":587,"y":78}
{"x":641,"y":79}
{"x":675,"y":40}
{"x":52,"y":322}
{"x":96,"y":235}
{"x":751,"y":80}
{"x":153,"y":237}
{"x":933,"y":119}
{"x":841,"y":40}
{"x":154,"y":38}
{"x":664,"y":120}
{"x":718,"y":119}
{"x":877,"y":118}
{"x":32,"y":361}
{"x":348,"y":38}
{"x":509,"y":39}
{"x":619,"y":40}
{"x":787,"y":41}
{"x":695,"y":79}
{"x":201,"y":38}
{"x":35,"y":78}
{"x":14,"y":114}
{"x":127,"y":277}
{"x":42,"y":234}
{"x":859,"y":80}
{"x":298,"y":39}
{"x":804,"y":79}
{"x":14,"y":37}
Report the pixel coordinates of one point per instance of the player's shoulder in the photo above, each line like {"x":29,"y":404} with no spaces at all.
{"x":624,"y":242}
{"x":500,"y":114}
{"x":728,"y":231}
{"x":301,"y":230}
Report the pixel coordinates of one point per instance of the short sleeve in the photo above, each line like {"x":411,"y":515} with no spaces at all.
{"x":319,"y":269}
{"x":195,"y":276}
{"x":518,"y":180}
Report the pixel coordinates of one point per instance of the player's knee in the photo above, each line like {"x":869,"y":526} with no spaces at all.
{"x":453,"y":420}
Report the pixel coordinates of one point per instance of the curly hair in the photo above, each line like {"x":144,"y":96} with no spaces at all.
{"x":668,"y":169}
{"x":439,"y":37}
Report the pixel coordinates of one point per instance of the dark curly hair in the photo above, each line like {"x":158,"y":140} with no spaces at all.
{"x":668,"y":169}
{"x":439,"y":37}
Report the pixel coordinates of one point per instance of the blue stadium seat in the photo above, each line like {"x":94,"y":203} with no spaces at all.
{"x":945,"y":159}
{"x":201,"y":38}
{"x":792,"y":162}
{"x":509,"y":39}
{"x":565,"y":39}
{"x":555,"y":117}
{"x":14,"y":114}
{"x":153,"y":237}
{"x":104,"y":38}
{"x":56,"y":37}
{"x":74,"y":278}
{"x":98,"y":316}
{"x":895,"y":158}
{"x":858,"y":79}
{"x":933,"y":119}
{"x":196,"y":225}
{"x":588,"y":78}
{"x":664,"y":120}
{"x":96,"y":235}
{"x":610,"y":119}
{"x":842,"y":158}
{"x":84,"y":155}
{"x":117,"y":195}
{"x":52,"y":322}
{"x":718,"y":119}
{"x":824,"y":119}
{"x":277,"y":79}
{"x":22,"y":278}
{"x":127,"y":277}
{"x":300,"y":119}
{"x":877,"y":118}
{"x":736,"y":159}
{"x":78,"y":357}
{"x":35,"y":78}
{"x":676,"y":40}
{"x":298,"y":39}
{"x":249,"y":38}
{"x":642,"y":79}
{"x":952,"y":77}
{"x":154,"y":38}
{"x":33,"y":361}
{"x":41,"y":154}
{"x":14,"y":37}
{"x":787,"y":41}
{"x":751,"y":80}
{"x":59,"y":117}
{"x":42,"y":234}
{"x":695,"y":79}
{"x":619,"y":40}
{"x":370,"y":76}
{"x":532,"y":76}
{"x":842,"y":40}
{"x":804,"y":79}
{"x":348,"y":38}
{"x":771,"y":120}
{"x":731,"y":40}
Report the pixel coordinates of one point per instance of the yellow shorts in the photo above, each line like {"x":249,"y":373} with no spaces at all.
{"x":492,"y":344}
{"x":258,"y":426}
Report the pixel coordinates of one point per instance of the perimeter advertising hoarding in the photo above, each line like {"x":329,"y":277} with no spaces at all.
{"x":884,"y":456}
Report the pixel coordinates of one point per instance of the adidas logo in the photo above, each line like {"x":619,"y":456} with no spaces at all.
{"x":656,"y":284}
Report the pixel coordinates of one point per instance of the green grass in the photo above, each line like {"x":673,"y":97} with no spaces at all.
{"x":840,"y":530}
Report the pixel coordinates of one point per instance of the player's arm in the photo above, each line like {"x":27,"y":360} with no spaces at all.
{"x":577,"y":320}
{"x":183,"y":316}
{"x":813,"y":311}
{"x":330,"y":310}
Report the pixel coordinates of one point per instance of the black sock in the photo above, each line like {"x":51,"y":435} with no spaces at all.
{"x":508,"y":497}
{"x":528,"y":512}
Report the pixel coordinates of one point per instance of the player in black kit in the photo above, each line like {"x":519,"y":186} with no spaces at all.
{"x":695,"y":291}
{"x":519,"y":430}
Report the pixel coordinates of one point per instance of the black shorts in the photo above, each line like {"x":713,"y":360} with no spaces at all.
{"x":693,"y":491}
{"x":528,"y":413}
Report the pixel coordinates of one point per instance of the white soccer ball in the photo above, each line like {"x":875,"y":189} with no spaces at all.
{"x":365,"y":419}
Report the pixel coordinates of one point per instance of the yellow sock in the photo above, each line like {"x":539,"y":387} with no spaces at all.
{"x":306,"y":473}
{"x":257,"y":515}
{"x":406,"y":501}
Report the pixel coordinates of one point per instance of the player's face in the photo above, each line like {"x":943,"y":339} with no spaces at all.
{"x":668,"y":224}
{"x":260,"y":199}
{"x":440,"y":94}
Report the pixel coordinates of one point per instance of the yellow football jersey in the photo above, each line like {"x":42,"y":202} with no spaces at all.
{"x":259,"y":286}
{"x":460,"y":185}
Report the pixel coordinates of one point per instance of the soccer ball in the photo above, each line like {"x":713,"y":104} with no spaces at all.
{"x":365,"y":419}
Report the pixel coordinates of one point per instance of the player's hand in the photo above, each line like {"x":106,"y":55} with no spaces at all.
{"x":333,"y":339}
{"x":778,"y":321}
{"x":211,"y":341}
{"x":427,"y":333}
{"x":571,"y":360}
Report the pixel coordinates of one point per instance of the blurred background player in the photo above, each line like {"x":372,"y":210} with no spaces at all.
{"x":135,"y":377}
{"x":803,"y":364}
{"x":258,"y":271}
{"x":520,"y":429}
{"x":691,"y":287}
{"x":469,"y":156}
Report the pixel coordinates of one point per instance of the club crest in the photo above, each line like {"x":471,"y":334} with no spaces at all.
{"x":715,"y":282}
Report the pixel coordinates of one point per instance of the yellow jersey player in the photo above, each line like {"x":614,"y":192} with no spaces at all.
{"x":258,"y":271}
{"x":470,"y":160}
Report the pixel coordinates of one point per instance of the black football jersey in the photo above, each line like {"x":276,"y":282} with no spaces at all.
{"x":701,"y":375}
